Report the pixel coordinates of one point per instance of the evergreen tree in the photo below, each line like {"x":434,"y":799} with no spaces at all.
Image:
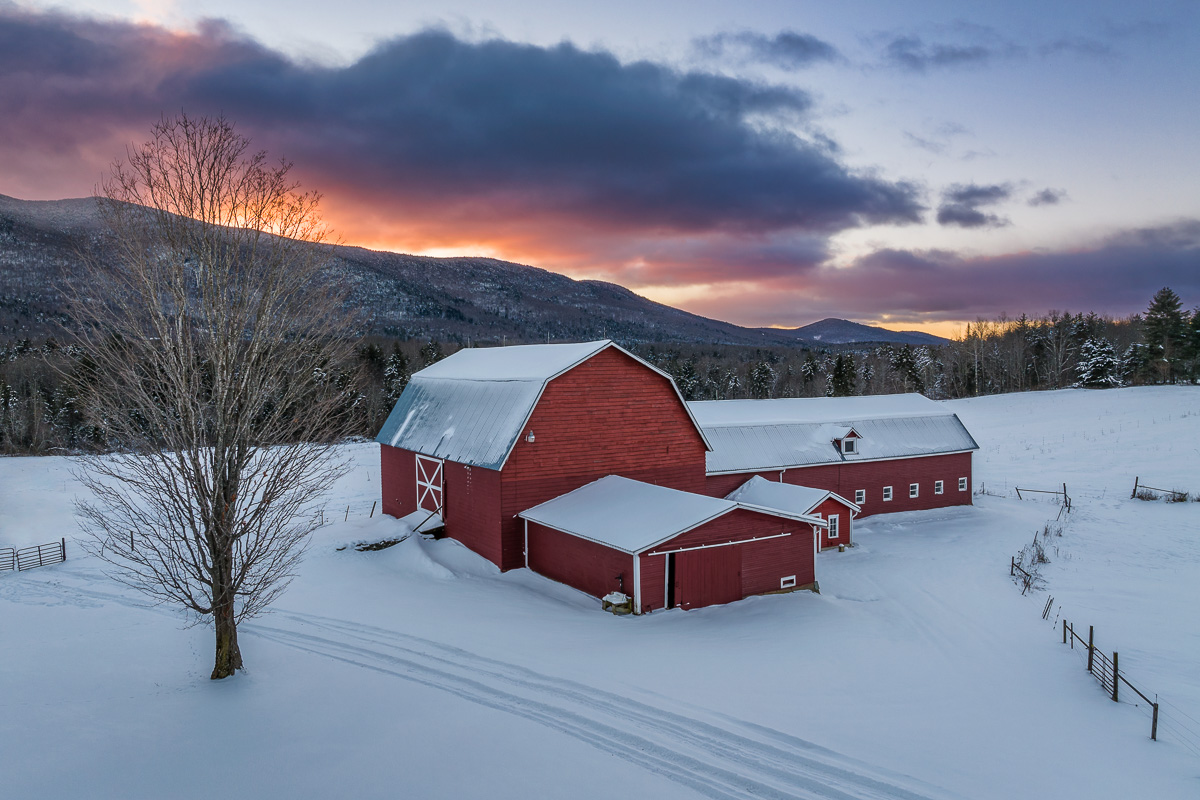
{"x":431,"y":353}
{"x":760,"y":380}
{"x":1165,"y":331}
{"x":1098,"y":365}
{"x":842,"y":380}
{"x":396,"y":373}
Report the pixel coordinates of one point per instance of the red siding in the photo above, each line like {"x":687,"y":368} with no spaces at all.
{"x":607,"y":416}
{"x":845,"y":526}
{"x":761,"y":564}
{"x":472,"y":505}
{"x":589,"y":567}
{"x":398,"y":478}
{"x":845,"y":478}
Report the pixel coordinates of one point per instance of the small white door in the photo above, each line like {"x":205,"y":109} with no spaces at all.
{"x":429,"y":483}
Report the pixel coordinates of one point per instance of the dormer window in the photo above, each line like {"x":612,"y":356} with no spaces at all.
{"x":849,"y":446}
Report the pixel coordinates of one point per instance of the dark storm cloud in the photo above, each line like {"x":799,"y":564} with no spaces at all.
{"x":961,"y":204}
{"x":429,"y":125}
{"x":1048,"y":197}
{"x":787,"y":50}
{"x":1116,"y":277}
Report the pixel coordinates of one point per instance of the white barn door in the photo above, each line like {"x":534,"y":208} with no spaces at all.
{"x":429,"y":483}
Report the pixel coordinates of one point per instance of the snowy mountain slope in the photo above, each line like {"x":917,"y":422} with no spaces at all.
{"x":842,"y":331}
{"x":421,"y":671}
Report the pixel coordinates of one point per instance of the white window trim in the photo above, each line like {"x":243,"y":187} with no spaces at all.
{"x":850,"y":446}
{"x":962,"y":484}
{"x":787,"y":582}
{"x":887,"y":494}
{"x":835,"y":526}
{"x":938,"y":487}
{"x":914,"y":490}
{"x":860,"y":496}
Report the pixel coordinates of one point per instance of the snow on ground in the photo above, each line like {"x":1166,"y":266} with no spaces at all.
{"x":421,"y":671}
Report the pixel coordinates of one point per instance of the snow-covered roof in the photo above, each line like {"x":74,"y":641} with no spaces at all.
{"x":749,"y":435}
{"x":631,"y":515}
{"x":472,"y":406}
{"x":837,"y":410}
{"x":786,"y":497}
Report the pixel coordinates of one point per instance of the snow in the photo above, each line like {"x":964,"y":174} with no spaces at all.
{"x":529,"y":362}
{"x":838,"y":410}
{"x":421,"y":671}
{"x":786,"y":497}
{"x":627,"y":514}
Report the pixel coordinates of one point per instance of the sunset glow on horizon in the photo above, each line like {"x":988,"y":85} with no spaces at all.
{"x":889,"y":163}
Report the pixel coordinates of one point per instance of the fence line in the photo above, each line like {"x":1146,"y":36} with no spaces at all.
{"x":38,"y":555}
{"x":1108,"y":671}
{"x":1066,"y":498}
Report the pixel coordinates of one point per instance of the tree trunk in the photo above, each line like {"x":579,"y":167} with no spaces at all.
{"x":229,"y":657}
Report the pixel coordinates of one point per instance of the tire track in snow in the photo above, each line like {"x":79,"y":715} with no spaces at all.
{"x":726,"y":763}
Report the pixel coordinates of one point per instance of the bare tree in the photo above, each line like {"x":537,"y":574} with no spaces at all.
{"x":209,"y":350}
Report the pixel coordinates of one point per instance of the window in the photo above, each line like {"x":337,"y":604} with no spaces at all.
{"x":849,"y":446}
{"x":913,"y":489}
{"x":887,"y":493}
{"x":962,"y":484}
{"x":788,"y":582}
{"x":937,"y":487}
{"x":833,"y":526}
{"x":860,"y":496}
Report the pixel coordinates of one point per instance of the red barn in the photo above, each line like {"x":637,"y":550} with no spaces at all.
{"x":487,"y":433}
{"x":666,"y":548}
{"x":491,"y":442}
{"x":886,"y":453}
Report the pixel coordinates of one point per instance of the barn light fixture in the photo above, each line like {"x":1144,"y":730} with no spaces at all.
{"x":529,"y":437}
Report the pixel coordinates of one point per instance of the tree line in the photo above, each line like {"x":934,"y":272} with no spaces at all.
{"x":39,"y":412}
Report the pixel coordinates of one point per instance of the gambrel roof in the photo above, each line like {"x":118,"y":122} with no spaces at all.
{"x":472,"y":407}
{"x":752,"y":435}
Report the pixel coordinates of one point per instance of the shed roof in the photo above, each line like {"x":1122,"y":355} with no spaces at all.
{"x":633,"y":516}
{"x":787,"y":497}
{"x":749,"y":435}
{"x":472,"y":406}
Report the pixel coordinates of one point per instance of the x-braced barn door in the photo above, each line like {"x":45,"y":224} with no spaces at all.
{"x":429,"y":483}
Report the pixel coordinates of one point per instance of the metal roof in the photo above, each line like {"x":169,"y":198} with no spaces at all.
{"x":633,"y":516}
{"x":472,"y":406}
{"x":787,"y":497}
{"x":835,"y":410}
{"x":774,"y":445}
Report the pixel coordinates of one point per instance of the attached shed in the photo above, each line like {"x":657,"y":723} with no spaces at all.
{"x":837,"y":511}
{"x":885,"y":453}
{"x":668,"y":548}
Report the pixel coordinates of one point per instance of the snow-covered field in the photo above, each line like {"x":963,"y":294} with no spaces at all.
{"x":420,"y":671}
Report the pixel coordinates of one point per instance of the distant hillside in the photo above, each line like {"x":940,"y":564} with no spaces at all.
{"x":843,"y":331}
{"x":482,"y":299}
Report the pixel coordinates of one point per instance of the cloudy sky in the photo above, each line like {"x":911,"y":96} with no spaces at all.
{"x":912,"y":164}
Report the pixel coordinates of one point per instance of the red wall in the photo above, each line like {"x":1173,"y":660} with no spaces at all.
{"x":607,"y":416}
{"x":845,"y":478}
{"x":845,"y":526}
{"x":398,"y":477}
{"x":762,"y":564}
{"x":472,"y":504}
{"x":589,"y":567}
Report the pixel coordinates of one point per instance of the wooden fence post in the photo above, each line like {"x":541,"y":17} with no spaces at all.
{"x":1154,"y":723}
{"x":1064,"y":631}
{"x":63,"y":548}
{"x":1116,"y":676}
{"x":1091,"y":646}
{"x":372,"y":510}
{"x":1135,"y":485}
{"x":1072,"y":635}
{"x":1012,"y":566}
